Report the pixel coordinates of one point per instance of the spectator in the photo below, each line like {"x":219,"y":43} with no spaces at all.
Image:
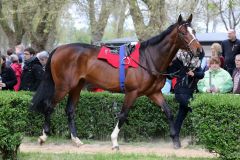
{"x":43,"y":57}
{"x":230,"y":48}
{"x":8,"y":76}
{"x":236,"y":75}
{"x":216,"y":79}
{"x":19,"y":52}
{"x":216,"y":50}
{"x":190,"y":71}
{"x":10,"y":51}
{"x":16,"y":66}
{"x":32,"y":71}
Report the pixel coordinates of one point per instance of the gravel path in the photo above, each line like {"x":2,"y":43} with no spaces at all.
{"x":158,"y":148}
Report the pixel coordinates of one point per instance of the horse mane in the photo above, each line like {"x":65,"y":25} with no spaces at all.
{"x":156,"y":39}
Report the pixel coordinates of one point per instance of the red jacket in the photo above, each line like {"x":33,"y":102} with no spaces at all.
{"x":18,"y":71}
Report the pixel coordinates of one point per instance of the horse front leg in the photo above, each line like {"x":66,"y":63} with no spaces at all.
{"x":160,"y":101}
{"x":122,"y":117}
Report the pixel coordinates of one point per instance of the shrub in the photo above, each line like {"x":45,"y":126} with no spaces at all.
{"x":96,"y":118}
{"x":216,"y":120}
{"x":12,"y":122}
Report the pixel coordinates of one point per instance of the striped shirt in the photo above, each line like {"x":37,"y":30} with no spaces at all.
{"x":236,"y":81}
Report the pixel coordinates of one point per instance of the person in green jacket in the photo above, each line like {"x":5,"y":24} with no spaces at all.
{"x":216,"y":79}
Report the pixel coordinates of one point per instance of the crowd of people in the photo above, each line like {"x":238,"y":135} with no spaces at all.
{"x":221,"y":69}
{"x":220,"y":73}
{"x":22,"y":68}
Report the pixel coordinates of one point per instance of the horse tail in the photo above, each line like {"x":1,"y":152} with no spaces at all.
{"x":42,"y":99}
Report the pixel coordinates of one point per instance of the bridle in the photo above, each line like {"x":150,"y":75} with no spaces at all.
{"x":174,"y":74}
{"x":181,"y":36}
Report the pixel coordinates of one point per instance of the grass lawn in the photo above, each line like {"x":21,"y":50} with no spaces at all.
{"x":117,"y":156}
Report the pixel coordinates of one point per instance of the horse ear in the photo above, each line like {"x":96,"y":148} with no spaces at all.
{"x":189,"y":20}
{"x":180,"y":19}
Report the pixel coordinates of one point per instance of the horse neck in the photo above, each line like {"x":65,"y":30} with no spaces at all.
{"x":163,"y":52}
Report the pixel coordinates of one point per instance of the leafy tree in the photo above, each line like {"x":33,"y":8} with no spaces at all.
{"x":229,"y":12}
{"x":35,"y":19}
{"x":98,"y":13}
{"x":155,"y":21}
{"x":11,"y":14}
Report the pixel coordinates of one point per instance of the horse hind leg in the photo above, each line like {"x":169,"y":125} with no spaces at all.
{"x":70,"y":111}
{"x":58,"y":95}
{"x":46,"y":127}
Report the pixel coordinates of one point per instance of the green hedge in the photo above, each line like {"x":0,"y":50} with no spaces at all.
{"x":216,"y":121}
{"x":213,"y":123}
{"x":96,"y":118}
{"x":13,"y":118}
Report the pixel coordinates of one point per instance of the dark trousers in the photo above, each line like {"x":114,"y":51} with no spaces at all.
{"x":183,"y":100}
{"x":229,"y":68}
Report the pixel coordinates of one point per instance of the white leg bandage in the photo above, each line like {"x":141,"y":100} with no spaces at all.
{"x":114,"y":136}
{"x":76,"y":140}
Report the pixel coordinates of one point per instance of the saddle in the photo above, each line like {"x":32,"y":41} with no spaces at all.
{"x":129,"y":48}
{"x":111,"y":55}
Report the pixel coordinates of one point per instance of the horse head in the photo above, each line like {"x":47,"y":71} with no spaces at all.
{"x":186,"y":36}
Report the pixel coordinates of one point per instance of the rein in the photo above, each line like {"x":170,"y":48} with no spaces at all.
{"x":164,"y":73}
{"x":158,"y":74}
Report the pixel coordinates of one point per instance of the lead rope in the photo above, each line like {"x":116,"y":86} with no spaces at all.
{"x":158,"y":74}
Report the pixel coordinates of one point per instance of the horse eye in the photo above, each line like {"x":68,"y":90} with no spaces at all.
{"x":183,"y":33}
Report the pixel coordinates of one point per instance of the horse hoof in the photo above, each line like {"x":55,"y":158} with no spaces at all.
{"x":40,"y":141}
{"x":115,"y":148}
{"x":78,"y":144}
{"x":77,"y":141}
{"x":176,"y":143}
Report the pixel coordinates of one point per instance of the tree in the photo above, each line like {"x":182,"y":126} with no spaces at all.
{"x":35,"y":19}
{"x":154,"y":22}
{"x":41,"y":27}
{"x":98,"y":12}
{"x":11,"y":21}
{"x":119,"y":17}
{"x":229,"y":12}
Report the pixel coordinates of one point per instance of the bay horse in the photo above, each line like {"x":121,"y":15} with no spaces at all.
{"x":70,"y":66}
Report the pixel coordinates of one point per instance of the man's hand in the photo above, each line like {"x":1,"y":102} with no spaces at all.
{"x":215,"y":90}
{"x":190,"y":73}
{"x":2,"y":85}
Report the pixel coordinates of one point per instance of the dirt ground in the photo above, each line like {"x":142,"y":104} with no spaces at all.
{"x":161,"y":148}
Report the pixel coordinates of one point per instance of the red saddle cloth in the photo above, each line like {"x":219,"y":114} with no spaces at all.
{"x":113,"y":58}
